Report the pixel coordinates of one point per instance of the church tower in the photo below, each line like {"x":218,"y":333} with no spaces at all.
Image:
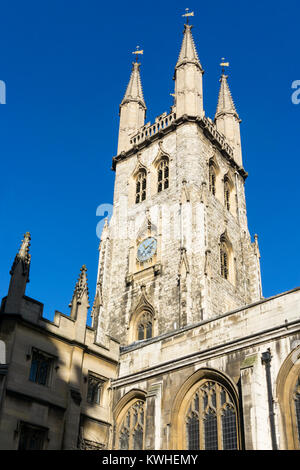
{"x":177,"y":249}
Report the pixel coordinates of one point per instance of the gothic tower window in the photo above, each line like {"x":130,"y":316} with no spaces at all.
{"x":224,"y":258}
{"x":227,"y":190}
{"x":131,"y":430}
{"x":211,"y":419}
{"x":145,"y":326}
{"x":163,"y":174}
{"x":212,"y":178}
{"x":141,"y":185}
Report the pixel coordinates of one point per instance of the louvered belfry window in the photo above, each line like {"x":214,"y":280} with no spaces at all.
{"x":227,"y":193}
{"x":224,"y":260}
{"x":212,"y":179}
{"x":163,"y":174}
{"x":141,"y":186}
{"x":131,"y":434}
{"x":211,"y":420}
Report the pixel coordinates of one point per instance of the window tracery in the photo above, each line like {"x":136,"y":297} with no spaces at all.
{"x":131,"y":434}
{"x":211,"y":420}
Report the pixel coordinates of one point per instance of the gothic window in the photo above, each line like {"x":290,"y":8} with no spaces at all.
{"x":31,"y":437}
{"x":224,"y":259}
{"x":94,"y":389}
{"x":163,"y":174}
{"x":212,"y":178}
{"x":141,"y":185}
{"x":227,"y":193}
{"x":211,"y":420}
{"x":131,"y":433}
{"x":40,"y":368}
{"x":145,"y":326}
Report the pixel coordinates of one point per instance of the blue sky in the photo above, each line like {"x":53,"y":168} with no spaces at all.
{"x":66,"y":65}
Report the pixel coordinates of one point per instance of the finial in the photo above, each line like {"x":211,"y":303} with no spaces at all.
{"x":224,"y":64}
{"x":137,"y":52}
{"x":187,"y":15}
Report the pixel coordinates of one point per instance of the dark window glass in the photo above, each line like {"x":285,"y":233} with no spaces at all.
{"x":94,"y":389}
{"x":40,"y":368}
{"x":138,"y":439}
{"x":149,"y":331}
{"x":141,"y":332}
{"x":224,"y":261}
{"x":124,"y":440}
{"x":212,"y":180}
{"x":210,"y":431}
{"x":229,"y":429}
{"x":193,"y":433}
{"x":31,"y":437}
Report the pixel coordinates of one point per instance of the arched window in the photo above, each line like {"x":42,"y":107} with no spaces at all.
{"x":145,"y":326}
{"x":224,"y":258}
{"x":131,"y":430}
{"x":141,"y":185}
{"x":211,"y":419}
{"x":227,"y":190}
{"x":212,"y":178}
{"x":163,"y":174}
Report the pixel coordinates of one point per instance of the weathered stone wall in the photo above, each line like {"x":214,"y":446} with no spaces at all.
{"x":232,"y":345}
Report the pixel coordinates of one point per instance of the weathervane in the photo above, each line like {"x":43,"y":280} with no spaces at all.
{"x":137,"y":52}
{"x":188,"y":14}
{"x":224,"y":64}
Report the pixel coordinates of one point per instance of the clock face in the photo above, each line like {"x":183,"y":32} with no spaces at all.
{"x":146,"y":249}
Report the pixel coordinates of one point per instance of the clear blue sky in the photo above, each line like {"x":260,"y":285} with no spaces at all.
{"x":66,"y":65}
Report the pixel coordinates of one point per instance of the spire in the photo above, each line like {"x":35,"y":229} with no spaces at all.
{"x":132,"y":108}
{"x":225,"y":101}
{"x":227,"y":119}
{"x":188,"y":52}
{"x":134,"y":91}
{"x":188,"y":77}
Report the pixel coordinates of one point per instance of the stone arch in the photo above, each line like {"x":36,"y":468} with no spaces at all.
{"x":184,"y":395}
{"x":287,"y":380}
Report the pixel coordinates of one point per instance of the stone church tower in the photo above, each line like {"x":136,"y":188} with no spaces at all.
{"x":177,"y":249}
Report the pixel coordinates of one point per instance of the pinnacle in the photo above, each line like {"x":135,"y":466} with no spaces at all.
{"x":81,"y":285}
{"x":23,"y":254}
{"x":134,"y":91}
{"x":225,"y":101}
{"x":188,"y":52}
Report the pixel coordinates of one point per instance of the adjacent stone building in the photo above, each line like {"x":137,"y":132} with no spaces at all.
{"x":184,"y":351}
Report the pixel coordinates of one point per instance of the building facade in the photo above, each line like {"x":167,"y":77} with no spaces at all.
{"x":184,"y":351}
